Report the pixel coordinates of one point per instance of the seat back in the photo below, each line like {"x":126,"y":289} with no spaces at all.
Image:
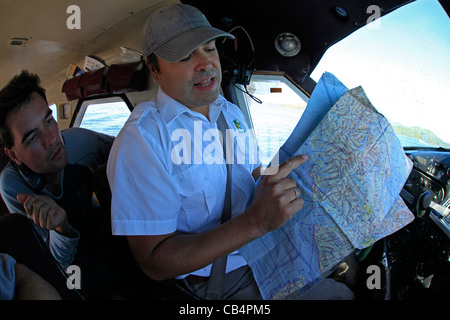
{"x":19,"y":239}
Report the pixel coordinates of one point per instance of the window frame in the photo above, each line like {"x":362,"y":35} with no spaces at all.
{"x":83,"y":104}
{"x":239,"y":92}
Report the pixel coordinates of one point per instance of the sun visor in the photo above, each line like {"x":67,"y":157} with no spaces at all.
{"x":91,"y":82}
{"x":118,"y":78}
{"x":127,"y":77}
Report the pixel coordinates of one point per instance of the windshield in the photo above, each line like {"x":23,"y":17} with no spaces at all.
{"x":402,"y":61}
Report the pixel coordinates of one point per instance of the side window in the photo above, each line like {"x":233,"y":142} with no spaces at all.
{"x":103,"y":116}
{"x":274,"y":119}
{"x":54,"y":109}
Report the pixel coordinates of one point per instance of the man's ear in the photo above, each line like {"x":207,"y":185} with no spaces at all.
{"x":12,"y":155}
{"x":153,"y":71}
{"x":148,"y":64}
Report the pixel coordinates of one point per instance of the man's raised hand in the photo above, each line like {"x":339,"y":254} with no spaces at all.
{"x":277,"y":197}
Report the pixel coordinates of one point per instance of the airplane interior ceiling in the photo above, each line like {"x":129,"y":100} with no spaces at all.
{"x":105,"y":26}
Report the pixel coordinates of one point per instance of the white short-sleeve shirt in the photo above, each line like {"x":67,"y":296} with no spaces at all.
{"x":167,"y":172}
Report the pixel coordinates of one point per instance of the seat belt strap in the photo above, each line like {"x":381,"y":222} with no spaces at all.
{"x":216,"y":278}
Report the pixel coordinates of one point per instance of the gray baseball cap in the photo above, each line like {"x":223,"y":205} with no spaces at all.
{"x":174,"y":32}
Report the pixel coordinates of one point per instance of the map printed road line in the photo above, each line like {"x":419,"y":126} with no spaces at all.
{"x":350,"y":184}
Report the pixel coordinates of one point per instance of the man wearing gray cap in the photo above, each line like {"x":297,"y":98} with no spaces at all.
{"x":168,"y":177}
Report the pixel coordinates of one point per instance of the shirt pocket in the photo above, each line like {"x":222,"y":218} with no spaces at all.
{"x":198,"y":196}
{"x":243,"y":189}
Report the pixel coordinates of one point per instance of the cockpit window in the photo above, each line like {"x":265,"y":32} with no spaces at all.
{"x":275,"y":106}
{"x":402,"y":62}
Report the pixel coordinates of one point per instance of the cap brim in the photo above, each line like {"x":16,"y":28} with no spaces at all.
{"x":184,"y":44}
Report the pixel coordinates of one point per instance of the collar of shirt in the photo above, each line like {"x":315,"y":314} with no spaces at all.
{"x":170,"y":109}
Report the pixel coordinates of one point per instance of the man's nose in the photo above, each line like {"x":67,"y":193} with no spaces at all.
{"x":203,"y":62}
{"x":48,"y":139}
